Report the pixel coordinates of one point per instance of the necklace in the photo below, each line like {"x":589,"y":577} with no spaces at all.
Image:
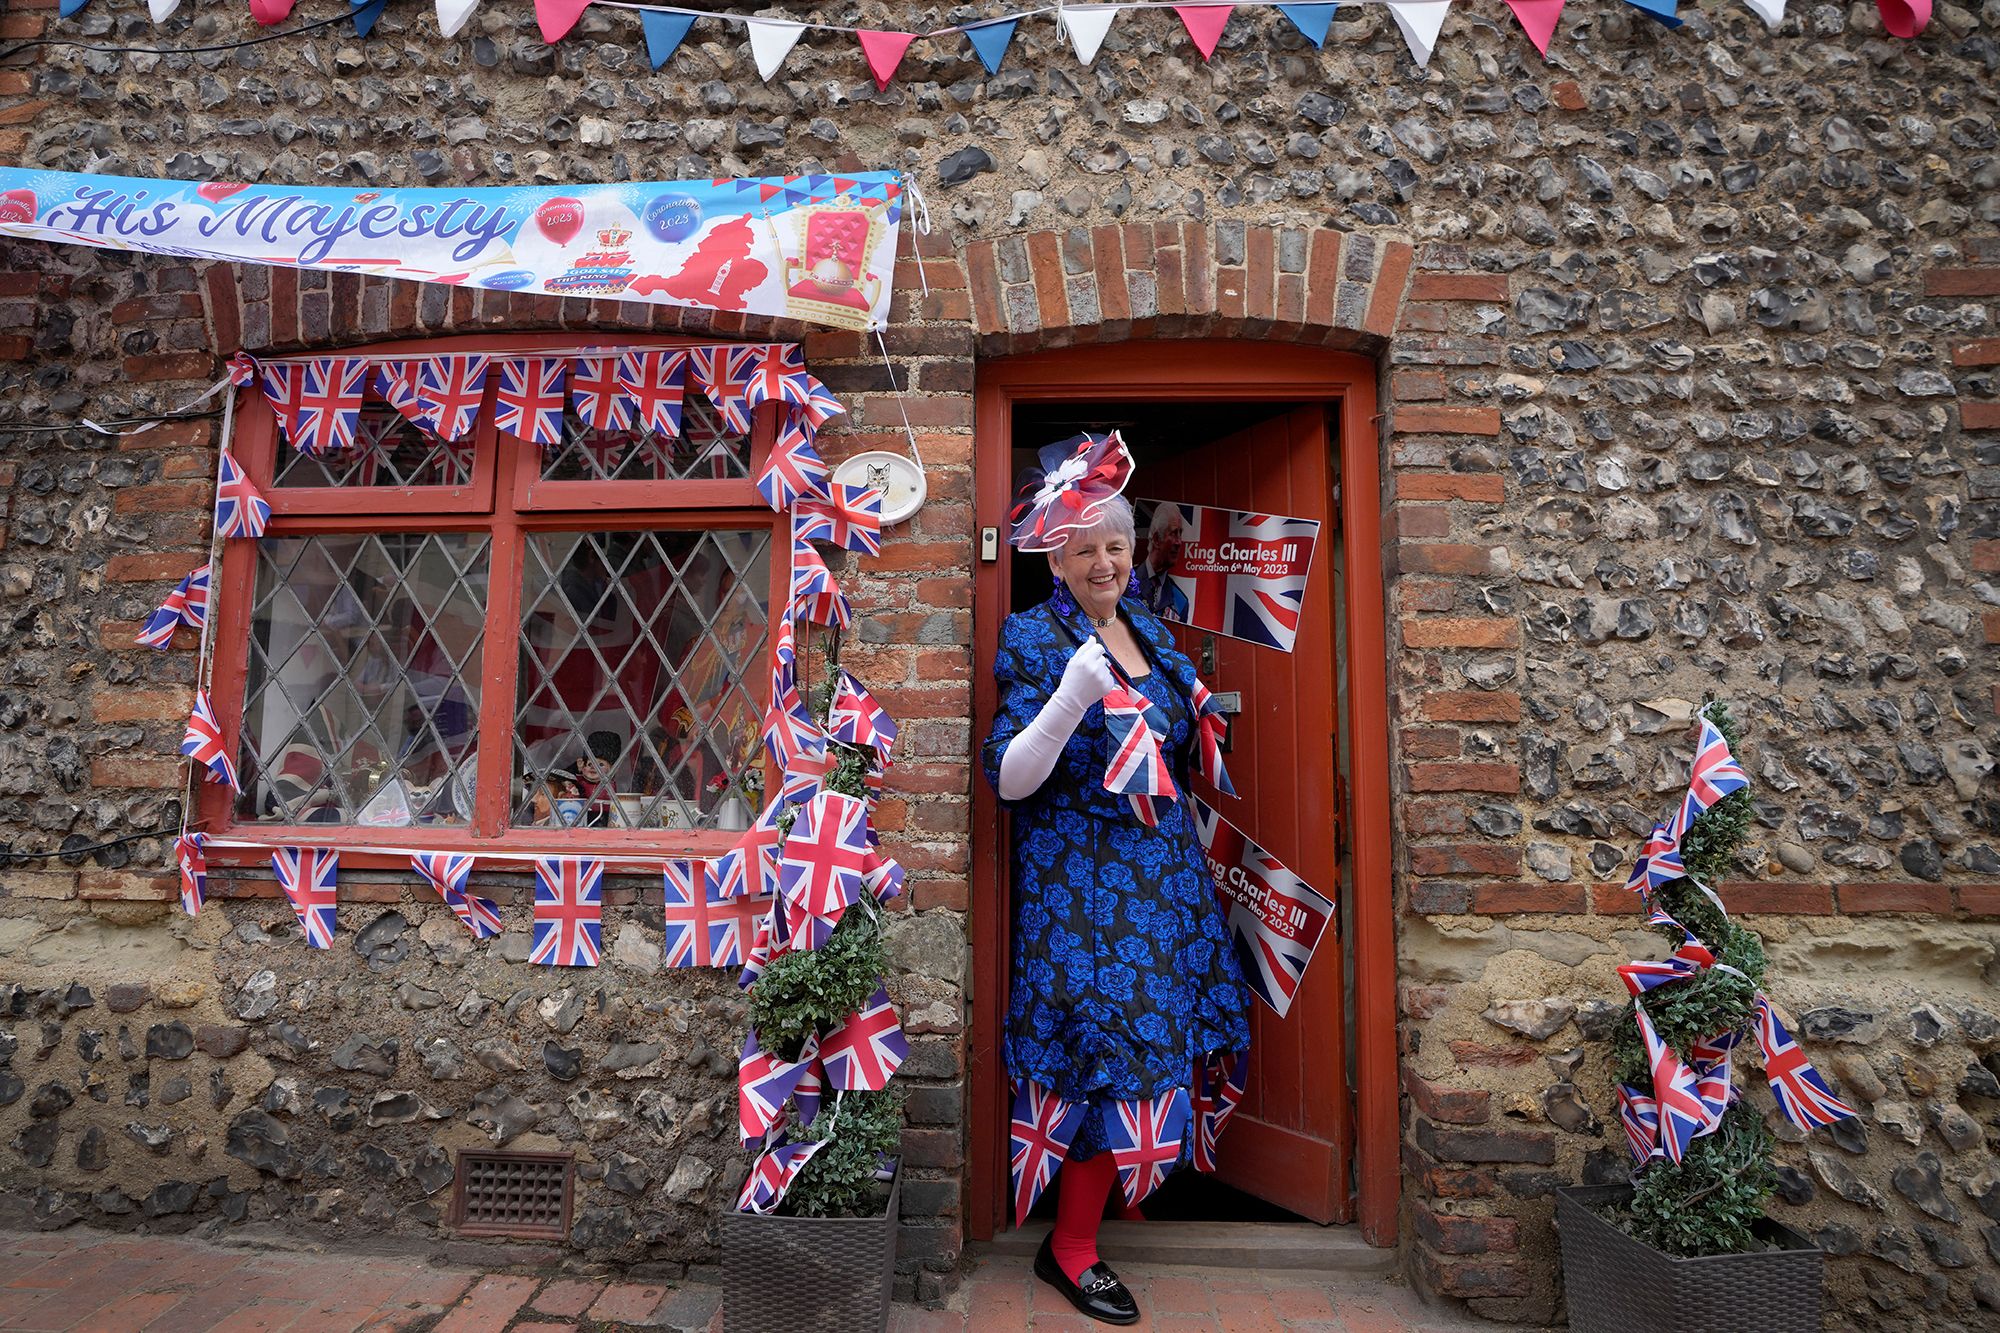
{"x":1101,"y":624}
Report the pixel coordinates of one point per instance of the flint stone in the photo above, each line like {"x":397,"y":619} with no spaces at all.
{"x":690,"y":1179}
{"x":1565,"y":1111}
{"x":960,"y":167}
{"x":1922,"y":1183}
{"x":432,"y":1170}
{"x":50,"y":1101}
{"x":336,"y":1106}
{"x":562,"y":1011}
{"x":169,"y":1041}
{"x":91,"y":1154}
{"x":177,"y":1090}
{"x":1891,"y":1246}
{"x":1902,"y":1120}
{"x":367,"y":1055}
{"x":1945,"y":1249}
{"x":379,"y":1162}
{"x":393,"y":1108}
{"x":628,"y":1055}
{"x":1597,"y":1019}
{"x":502,"y":1115}
{"x":440,"y":1058}
{"x":11,"y":1087}
{"x":114,"y":1201}
{"x":381,"y":941}
{"x":220,"y":1040}
{"x":176,"y":1196}
{"x":1836,"y":1176}
{"x":1980,"y":1028}
{"x":1836,"y":1023}
{"x":1535,"y":1019}
{"x":1978,"y":1081}
{"x":499,"y":1056}
{"x":626,"y":1174}
{"x":262,"y":1142}
{"x":258,"y":996}
{"x":1795,"y":1186}
{"x":1960,"y":1132}
{"x":564,"y":1063}
{"x":124,"y":997}
{"x":1850,"y":1135}
{"x":37,"y":1143}
{"x":1838,"y":1239}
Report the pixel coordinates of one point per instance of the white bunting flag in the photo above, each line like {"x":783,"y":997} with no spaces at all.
{"x":771,"y":40}
{"x":1420,"y":21}
{"x":162,"y":10}
{"x":454,"y":14}
{"x":1771,"y":11}
{"x":1086,"y":25}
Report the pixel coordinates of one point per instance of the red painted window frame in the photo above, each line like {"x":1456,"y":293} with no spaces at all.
{"x":506,"y":499}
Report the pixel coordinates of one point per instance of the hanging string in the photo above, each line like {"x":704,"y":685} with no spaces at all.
{"x":300,"y":30}
{"x":894,"y":388}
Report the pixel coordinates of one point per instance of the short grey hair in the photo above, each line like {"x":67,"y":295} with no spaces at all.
{"x":1165,"y":516}
{"x":1116,"y":516}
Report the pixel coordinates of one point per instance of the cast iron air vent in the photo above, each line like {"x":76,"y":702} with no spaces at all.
{"x":523,"y":1194}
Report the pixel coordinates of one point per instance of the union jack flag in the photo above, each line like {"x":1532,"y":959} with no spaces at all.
{"x":1212,"y":729}
{"x":204,"y":744}
{"x":1659,"y":862}
{"x":596,"y":394}
{"x":242,"y":370}
{"x":749,"y":869}
{"x":283,"y":383}
{"x":851,"y":519}
{"x":569,"y":911}
{"x":1218,"y":1086}
{"x":794,"y":471}
{"x":657,"y":383}
{"x":451,"y":389}
{"x":1246,"y":604}
{"x":1137,"y":769}
{"x":451,"y":875}
{"x":1641,"y":975}
{"x":790,"y":733}
{"x":726,"y":923}
{"x":310,"y":877}
{"x":326,"y":406}
{"x":1276,"y":919}
{"x":779,"y":376}
{"x":806,"y":931}
{"x":866,"y":1048}
{"x":1145,"y":1140}
{"x":529,"y":402}
{"x":1044,"y":1127}
{"x":395,"y":383}
{"x":1682,"y":1112}
{"x":773,"y":1174}
{"x":814,"y":594}
{"x":191,"y":855}
{"x":763,"y":1082}
{"x":1707,"y":1050}
{"x":1640,"y":1116}
{"x":722,"y":372}
{"x":1715,"y":775}
{"x":1712,"y":1083}
{"x":883,"y":877}
{"x":1802,"y":1093}
{"x":767,"y":941}
{"x":809,"y":1092}
{"x":240,"y":511}
{"x":186,"y":605}
{"x":820,"y":869}
{"x":856,"y":719}
{"x":684,"y":915}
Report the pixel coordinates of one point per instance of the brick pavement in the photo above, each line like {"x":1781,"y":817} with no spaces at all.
{"x":80,"y":1281}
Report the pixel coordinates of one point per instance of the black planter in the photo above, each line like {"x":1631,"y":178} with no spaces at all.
{"x":1616,"y":1284}
{"x":810,"y":1274}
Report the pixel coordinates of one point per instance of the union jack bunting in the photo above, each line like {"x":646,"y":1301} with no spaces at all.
{"x":1218,"y":1086}
{"x":1707,"y":1050}
{"x":191,"y":855}
{"x":1659,"y":863}
{"x":1641,"y":975}
{"x":773,"y":1174}
{"x":791,"y":735}
{"x":242,"y":370}
{"x":204,"y":744}
{"x":1712,"y":1083}
{"x":1682,"y":1112}
{"x":283,"y":383}
{"x":656,"y":382}
{"x":866,"y":1048}
{"x":851,"y":518}
{"x":749,"y":869}
{"x":727,"y":922}
{"x":722,"y":372}
{"x":451,"y":389}
{"x":856,"y":719}
{"x":326,"y":407}
{"x":803,"y":779}
{"x":883,"y":878}
{"x":685,"y":898}
{"x":1137,"y":769}
{"x":1715,"y":774}
{"x":820,"y":405}
{"x":240,"y":511}
{"x":1044,"y":1127}
{"x":821,"y":866}
{"x":1640,"y":1116}
{"x":1803,"y":1095}
{"x":186,"y":605}
{"x":451,"y":875}
{"x":596,"y":394}
{"x":310,"y":878}
{"x":806,"y":931}
{"x":763,"y":1082}
{"x":569,"y":912}
{"x":758,"y":956}
{"x":809,"y":1092}
{"x":1212,"y":729}
{"x":1145,"y":1140}
{"x":779,"y":376}
{"x":794,"y":471}
{"x":528,"y":404}
{"x":395,"y":383}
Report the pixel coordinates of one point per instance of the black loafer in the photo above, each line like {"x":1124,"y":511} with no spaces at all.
{"x":1100,"y":1295}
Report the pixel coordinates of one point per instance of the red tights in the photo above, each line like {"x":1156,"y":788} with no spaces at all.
{"x":1080,"y":1197}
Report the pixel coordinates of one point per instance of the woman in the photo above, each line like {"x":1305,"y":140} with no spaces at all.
{"x":1123,"y":977}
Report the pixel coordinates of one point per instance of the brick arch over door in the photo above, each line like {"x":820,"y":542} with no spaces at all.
{"x":1047,"y":289}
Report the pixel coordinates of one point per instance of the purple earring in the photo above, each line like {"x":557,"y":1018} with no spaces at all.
{"x":1132,"y":584}
{"x":1065,"y":603}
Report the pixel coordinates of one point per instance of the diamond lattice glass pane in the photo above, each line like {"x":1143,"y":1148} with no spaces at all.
{"x":388,"y":451}
{"x":362,"y":699}
{"x":642,"y":676}
{"x":705,"y":448}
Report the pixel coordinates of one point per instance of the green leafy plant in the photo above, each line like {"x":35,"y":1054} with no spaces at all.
{"x":840,"y":1179}
{"x":1706,"y":1203}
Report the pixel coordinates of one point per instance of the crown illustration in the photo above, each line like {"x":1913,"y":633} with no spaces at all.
{"x":613,"y":236}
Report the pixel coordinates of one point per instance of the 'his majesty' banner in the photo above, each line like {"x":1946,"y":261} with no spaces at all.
{"x":814,"y":248}
{"x":1276,"y":917}
{"x":1238,"y":574}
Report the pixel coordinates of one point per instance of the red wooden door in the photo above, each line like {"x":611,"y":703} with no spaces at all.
{"x":1289,"y":1140}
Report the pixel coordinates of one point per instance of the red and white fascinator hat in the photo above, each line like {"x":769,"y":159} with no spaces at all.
{"x":1068,"y":492}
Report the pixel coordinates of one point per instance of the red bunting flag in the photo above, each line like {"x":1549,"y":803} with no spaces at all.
{"x":1204,"y":24}
{"x":556,"y":17}
{"x":1538,"y":20}
{"x":884,"y":51}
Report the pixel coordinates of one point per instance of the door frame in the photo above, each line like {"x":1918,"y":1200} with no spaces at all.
{"x":1195,"y":369}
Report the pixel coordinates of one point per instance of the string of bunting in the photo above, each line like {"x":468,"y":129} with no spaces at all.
{"x":771,"y":40}
{"x":1689,"y":1096}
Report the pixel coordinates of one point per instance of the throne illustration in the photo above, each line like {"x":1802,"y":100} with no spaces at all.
{"x":829,"y":282}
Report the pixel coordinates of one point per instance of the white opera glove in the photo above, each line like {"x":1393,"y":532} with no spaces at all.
{"x":1031,"y":755}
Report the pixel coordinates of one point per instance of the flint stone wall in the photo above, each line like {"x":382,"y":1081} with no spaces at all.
{"x":1689,"y":386}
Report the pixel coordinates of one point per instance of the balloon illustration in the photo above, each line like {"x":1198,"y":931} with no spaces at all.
{"x":17,"y":206}
{"x":672,"y":217}
{"x":560,"y":219}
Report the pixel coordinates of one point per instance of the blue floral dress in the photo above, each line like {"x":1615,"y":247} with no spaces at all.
{"x":1123,"y":971}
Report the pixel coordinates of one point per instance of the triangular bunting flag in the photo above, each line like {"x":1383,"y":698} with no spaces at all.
{"x":556,"y":17}
{"x":771,"y":40}
{"x":1905,"y":18}
{"x":1420,"y":21}
{"x":453,"y":15}
{"x":1771,"y":11}
{"x":663,"y":34}
{"x":162,"y":10}
{"x":990,"y":42}
{"x":884,"y":51}
{"x":268,"y":12}
{"x":1311,"y":20}
{"x":1538,"y":19}
{"x":365,"y":14}
{"x":65,"y":8}
{"x":1659,"y":10}
{"x":1204,"y":24}
{"x":1086,"y":25}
